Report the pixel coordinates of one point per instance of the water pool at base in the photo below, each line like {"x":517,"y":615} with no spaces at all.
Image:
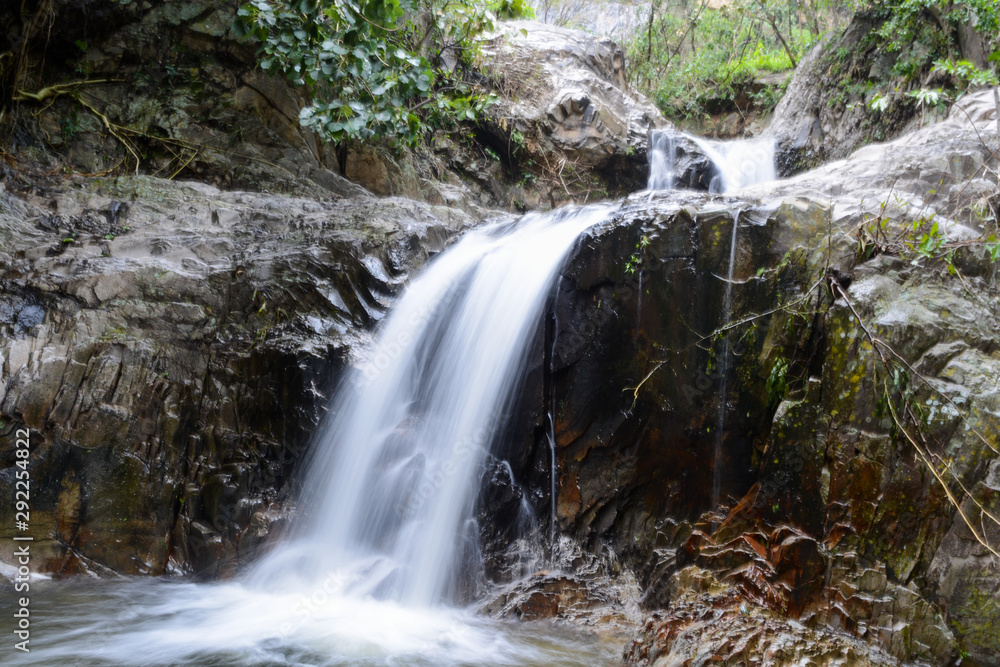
{"x":160,"y":622}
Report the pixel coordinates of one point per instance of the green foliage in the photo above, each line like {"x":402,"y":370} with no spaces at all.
{"x":924,"y":241}
{"x":367,"y":64}
{"x":923,"y":36}
{"x":967,"y":73}
{"x":512,"y":9}
{"x":927,"y":97}
{"x":70,"y":126}
{"x":688,"y":63}
{"x":879,"y":103}
{"x":905,"y":20}
{"x":633,"y":263}
{"x":777,"y":383}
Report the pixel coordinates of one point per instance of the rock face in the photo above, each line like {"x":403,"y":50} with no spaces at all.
{"x":709,"y":624}
{"x":184,"y":89}
{"x":193,"y":103}
{"x":171,"y":347}
{"x":760,"y":443}
{"x":824,"y":114}
{"x":566,"y":96}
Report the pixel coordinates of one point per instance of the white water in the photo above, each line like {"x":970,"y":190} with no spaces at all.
{"x":739,"y":163}
{"x":169,"y":623}
{"x":392,"y":490}
{"x":662,"y":161}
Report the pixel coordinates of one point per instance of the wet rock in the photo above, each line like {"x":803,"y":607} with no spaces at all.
{"x":605,"y":602}
{"x":657,"y":466}
{"x":172,"y":361}
{"x":826,"y":113}
{"x":711,"y":623}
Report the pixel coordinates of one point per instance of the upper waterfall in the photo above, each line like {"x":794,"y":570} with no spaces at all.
{"x":736,"y":163}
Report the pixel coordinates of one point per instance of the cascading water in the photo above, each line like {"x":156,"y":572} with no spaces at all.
{"x":662,"y":161}
{"x":738,"y":163}
{"x":396,"y":478}
{"x":387,"y":530}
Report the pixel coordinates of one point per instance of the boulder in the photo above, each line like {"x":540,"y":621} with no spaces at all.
{"x":564,"y":105}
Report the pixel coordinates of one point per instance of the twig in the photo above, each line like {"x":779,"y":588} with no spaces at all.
{"x":55,"y":90}
{"x":879,"y":345}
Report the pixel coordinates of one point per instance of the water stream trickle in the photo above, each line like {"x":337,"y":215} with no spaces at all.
{"x":551,"y":435}
{"x":720,"y":422}
{"x":737,"y":164}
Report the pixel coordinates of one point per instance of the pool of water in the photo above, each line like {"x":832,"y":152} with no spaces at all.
{"x":164,"y":622}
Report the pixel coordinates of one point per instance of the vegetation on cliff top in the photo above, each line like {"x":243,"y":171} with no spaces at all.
{"x":694,"y":59}
{"x":376,"y":68}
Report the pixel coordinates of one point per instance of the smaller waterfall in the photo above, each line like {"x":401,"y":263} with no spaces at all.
{"x":662,"y":161}
{"x":553,"y":464}
{"x":738,"y":163}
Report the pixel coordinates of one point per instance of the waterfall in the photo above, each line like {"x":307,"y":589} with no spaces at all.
{"x":662,"y":161}
{"x":389,"y":495}
{"x":387,"y":532}
{"x":738,"y":163}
